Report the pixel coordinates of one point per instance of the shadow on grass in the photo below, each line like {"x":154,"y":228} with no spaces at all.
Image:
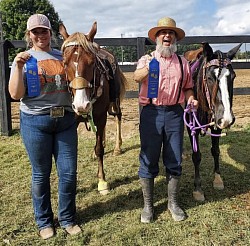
{"x":124,"y":150}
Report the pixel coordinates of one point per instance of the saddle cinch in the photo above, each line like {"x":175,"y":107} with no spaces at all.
{"x":111,"y":66}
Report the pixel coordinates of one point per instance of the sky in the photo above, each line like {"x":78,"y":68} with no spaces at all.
{"x":133,"y":18}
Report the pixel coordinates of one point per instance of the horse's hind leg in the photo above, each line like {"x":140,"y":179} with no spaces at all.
{"x":118,"y":142}
{"x":215,"y":150}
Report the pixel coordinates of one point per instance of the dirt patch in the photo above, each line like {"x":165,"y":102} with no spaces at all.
{"x":130,"y":109}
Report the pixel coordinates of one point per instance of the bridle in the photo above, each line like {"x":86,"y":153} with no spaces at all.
{"x":220,"y":63}
{"x":100,"y":73}
{"x":190,"y":113}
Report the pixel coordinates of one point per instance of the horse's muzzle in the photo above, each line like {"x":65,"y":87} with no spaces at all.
{"x":223,"y":124}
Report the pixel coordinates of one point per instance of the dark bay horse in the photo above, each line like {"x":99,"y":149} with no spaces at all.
{"x":94,"y":78}
{"x":213,"y":77}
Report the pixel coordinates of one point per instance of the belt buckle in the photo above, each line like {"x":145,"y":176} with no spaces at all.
{"x":56,"y":112}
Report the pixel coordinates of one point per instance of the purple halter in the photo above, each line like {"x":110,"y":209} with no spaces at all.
{"x":193,"y":121}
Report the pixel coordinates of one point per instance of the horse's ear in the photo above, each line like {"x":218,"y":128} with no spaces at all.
{"x":92,"y":33}
{"x":207,"y":51}
{"x":231,"y":53}
{"x":63,"y":31}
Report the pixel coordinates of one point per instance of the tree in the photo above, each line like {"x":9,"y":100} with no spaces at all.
{"x":15,"y":14}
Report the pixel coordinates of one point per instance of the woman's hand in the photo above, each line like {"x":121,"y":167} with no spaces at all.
{"x":22,"y":58}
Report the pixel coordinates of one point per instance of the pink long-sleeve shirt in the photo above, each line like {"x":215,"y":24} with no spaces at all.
{"x":169,"y":80}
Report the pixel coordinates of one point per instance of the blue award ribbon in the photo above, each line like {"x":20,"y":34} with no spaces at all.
{"x":33,"y":81}
{"x":153,"y":79}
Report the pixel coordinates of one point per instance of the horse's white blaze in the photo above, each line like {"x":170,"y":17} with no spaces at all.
{"x":227,"y":115}
{"x":76,"y":65}
{"x":81,"y":103}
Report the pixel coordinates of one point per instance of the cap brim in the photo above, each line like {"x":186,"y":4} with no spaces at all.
{"x":39,"y":26}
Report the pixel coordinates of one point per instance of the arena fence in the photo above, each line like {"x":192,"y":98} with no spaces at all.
{"x":140,"y":43}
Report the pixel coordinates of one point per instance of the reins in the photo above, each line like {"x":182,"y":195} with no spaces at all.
{"x":192,"y":122}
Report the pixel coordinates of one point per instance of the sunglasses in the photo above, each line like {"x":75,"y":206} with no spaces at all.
{"x":41,"y":32}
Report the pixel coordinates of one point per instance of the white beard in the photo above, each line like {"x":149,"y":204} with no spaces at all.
{"x":166,"y":51}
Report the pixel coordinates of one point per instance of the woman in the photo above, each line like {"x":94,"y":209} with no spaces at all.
{"x":48,"y":125}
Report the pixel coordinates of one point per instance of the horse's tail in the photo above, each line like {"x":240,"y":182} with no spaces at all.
{"x":123,"y":84}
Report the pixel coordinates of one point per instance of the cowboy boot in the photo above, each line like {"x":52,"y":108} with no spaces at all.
{"x":177,"y":213}
{"x":147,"y":213}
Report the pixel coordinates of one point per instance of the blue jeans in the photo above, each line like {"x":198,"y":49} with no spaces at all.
{"x":45,"y":137}
{"x":161,"y":130}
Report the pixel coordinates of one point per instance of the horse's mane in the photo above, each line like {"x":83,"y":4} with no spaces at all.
{"x":80,"y":39}
{"x":199,"y":86}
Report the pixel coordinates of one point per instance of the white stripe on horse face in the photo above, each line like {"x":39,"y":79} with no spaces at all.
{"x":227,"y":116}
{"x":76,"y":72}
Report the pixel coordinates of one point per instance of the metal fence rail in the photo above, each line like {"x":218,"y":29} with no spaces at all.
{"x":139,"y":42}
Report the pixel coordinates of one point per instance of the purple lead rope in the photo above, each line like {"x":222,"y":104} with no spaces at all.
{"x":192,"y":112}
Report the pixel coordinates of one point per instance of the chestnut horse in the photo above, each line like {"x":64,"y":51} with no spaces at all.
{"x":93,"y":75}
{"x":213,"y":77}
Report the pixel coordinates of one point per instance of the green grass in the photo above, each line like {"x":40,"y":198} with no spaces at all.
{"x":223,"y":219}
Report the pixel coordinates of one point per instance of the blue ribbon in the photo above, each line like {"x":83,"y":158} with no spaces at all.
{"x":33,"y":81}
{"x":153,"y":79}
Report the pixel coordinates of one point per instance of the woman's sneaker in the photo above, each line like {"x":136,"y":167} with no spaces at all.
{"x":73,"y":229}
{"x":47,"y":233}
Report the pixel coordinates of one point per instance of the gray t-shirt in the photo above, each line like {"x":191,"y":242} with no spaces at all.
{"x":53,"y":84}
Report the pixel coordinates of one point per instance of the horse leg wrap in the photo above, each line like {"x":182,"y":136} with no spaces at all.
{"x":177,"y":213}
{"x":103,"y":187}
{"x":147,"y":213}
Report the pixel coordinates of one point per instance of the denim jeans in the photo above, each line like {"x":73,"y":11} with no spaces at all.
{"x":44,"y":138}
{"x":161,"y":130}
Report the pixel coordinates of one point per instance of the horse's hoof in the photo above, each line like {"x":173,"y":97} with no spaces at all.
{"x":218,"y":182}
{"x":103,"y":187}
{"x":198,"y":196}
{"x":218,"y":186}
{"x":104,"y":192}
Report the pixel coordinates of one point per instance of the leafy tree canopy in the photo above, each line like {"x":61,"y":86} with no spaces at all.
{"x":15,"y":14}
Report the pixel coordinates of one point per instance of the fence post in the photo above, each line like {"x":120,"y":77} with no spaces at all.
{"x":5,"y":101}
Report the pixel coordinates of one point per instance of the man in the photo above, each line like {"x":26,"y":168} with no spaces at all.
{"x":166,"y":84}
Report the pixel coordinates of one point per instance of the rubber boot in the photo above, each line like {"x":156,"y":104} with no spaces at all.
{"x":148,"y":194}
{"x":177,"y":213}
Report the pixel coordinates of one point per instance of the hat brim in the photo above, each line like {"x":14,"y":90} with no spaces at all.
{"x":180,"y":34}
{"x":38,"y":26}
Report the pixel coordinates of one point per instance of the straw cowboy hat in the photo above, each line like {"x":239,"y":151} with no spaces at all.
{"x":166,"y":23}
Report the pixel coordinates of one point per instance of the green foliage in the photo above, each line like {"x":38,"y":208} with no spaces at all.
{"x":129,"y":53}
{"x":15,"y":14}
{"x":123,"y":53}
